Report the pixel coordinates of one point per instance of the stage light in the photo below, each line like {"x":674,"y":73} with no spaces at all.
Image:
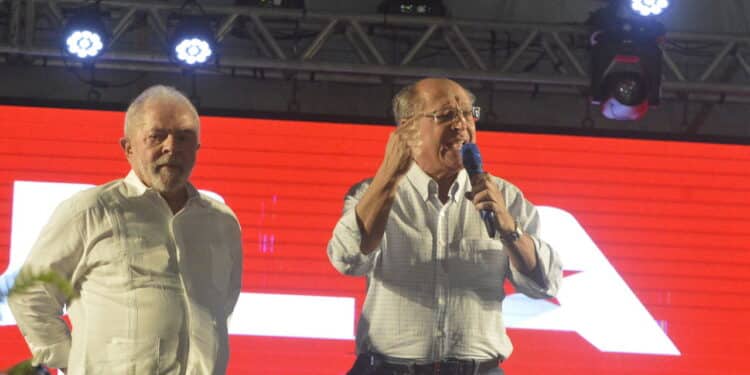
{"x":649,"y":7}
{"x":193,"y":51}
{"x":413,"y":7}
{"x":626,"y":67}
{"x":84,"y":43}
{"x":625,"y":96}
{"x":193,"y":41}
{"x":84,"y":34}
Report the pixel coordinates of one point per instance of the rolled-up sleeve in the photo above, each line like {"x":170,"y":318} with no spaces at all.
{"x":344,"y":247}
{"x":548,"y":273}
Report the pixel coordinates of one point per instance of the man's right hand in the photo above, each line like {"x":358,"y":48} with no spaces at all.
{"x":403,"y":145}
{"x":375,"y":206}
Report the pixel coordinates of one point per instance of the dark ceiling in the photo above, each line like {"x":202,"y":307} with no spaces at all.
{"x":528,"y":62}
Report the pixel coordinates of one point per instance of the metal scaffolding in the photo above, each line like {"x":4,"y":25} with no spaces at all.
{"x":372,"y":48}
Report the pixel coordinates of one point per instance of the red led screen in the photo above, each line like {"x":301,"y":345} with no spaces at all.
{"x":671,"y":218}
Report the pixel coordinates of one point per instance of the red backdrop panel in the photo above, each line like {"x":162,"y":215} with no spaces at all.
{"x":671,"y":217}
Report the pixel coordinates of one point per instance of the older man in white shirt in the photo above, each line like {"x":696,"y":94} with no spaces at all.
{"x":157,"y":265}
{"x":435,"y":276}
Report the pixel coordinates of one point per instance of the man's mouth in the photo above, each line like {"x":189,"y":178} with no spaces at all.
{"x":169,"y":165}
{"x":456,"y":144}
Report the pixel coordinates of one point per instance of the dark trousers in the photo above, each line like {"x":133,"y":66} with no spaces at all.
{"x":374,"y":364}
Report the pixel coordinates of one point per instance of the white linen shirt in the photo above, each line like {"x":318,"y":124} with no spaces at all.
{"x":156,"y":288}
{"x":435,"y":283}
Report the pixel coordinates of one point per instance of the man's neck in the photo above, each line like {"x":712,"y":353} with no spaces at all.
{"x":444,"y":180}
{"x":444,"y":185}
{"x":175,"y":199}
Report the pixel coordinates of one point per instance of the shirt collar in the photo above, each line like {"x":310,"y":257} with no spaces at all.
{"x":425,"y":185}
{"x":140,"y":188}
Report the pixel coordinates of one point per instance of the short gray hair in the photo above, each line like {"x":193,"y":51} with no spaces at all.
{"x":135,"y":109}
{"x":406,"y":103}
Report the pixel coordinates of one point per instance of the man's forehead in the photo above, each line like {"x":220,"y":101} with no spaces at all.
{"x":443,"y":92}
{"x":176,"y":112}
{"x":167,"y":104}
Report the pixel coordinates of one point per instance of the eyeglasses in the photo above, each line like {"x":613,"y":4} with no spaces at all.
{"x":454,"y":115}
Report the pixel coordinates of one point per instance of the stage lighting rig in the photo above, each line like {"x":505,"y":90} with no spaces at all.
{"x":193,"y":41}
{"x":649,"y":7}
{"x":625,"y":64}
{"x":84,"y":34}
{"x":434,"y":8}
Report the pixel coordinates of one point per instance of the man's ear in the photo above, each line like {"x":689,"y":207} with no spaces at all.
{"x":125,"y":144}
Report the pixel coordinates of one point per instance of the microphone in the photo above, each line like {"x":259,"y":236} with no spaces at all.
{"x":473,"y":163}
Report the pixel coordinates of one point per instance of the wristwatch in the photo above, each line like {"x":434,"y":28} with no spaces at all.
{"x":513,"y":235}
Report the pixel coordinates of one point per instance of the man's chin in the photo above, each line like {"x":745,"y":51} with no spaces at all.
{"x":169,"y":186}
{"x":453,"y":165}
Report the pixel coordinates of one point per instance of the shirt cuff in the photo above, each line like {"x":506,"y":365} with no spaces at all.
{"x":345,"y":246}
{"x":537,"y":284}
{"x":349,"y":223}
{"x":54,"y":356}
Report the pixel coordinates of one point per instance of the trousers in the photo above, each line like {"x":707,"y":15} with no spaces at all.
{"x":374,"y":364}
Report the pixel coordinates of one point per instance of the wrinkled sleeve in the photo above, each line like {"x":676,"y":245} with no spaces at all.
{"x":38,"y":309}
{"x":548,"y":274}
{"x":343,"y":248}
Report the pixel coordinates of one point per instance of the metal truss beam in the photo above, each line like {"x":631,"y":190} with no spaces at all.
{"x":371,"y":48}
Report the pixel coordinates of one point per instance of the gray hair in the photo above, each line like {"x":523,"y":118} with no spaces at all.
{"x":135,"y":109}
{"x":408,"y":101}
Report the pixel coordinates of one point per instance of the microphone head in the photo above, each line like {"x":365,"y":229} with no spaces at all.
{"x":471,"y":159}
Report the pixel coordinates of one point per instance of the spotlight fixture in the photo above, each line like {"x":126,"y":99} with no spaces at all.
{"x":434,"y":8}
{"x":649,"y":7}
{"x":193,"y":40}
{"x":84,"y":34}
{"x":626,"y":66}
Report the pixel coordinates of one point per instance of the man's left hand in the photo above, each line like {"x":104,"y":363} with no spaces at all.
{"x":486,"y":195}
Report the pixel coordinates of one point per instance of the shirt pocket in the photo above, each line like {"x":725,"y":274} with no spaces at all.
{"x":123,"y":356}
{"x":477,"y":262}
{"x":151,"y":261}
{"x":151,"y":255}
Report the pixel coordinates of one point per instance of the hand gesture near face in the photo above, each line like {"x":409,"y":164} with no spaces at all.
{"x":372,"y":210}
{"x":403,"y":144}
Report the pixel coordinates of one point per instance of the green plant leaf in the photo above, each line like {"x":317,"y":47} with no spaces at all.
{"x":27,"y":279}
{"x":23,"y":368}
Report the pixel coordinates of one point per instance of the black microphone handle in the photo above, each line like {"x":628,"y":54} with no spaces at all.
{"x":472,"y":161}
{"x":489,"y":221}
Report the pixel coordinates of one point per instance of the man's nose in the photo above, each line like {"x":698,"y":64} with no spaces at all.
{"x":460,"y":123}
{"x":169,"y":144}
